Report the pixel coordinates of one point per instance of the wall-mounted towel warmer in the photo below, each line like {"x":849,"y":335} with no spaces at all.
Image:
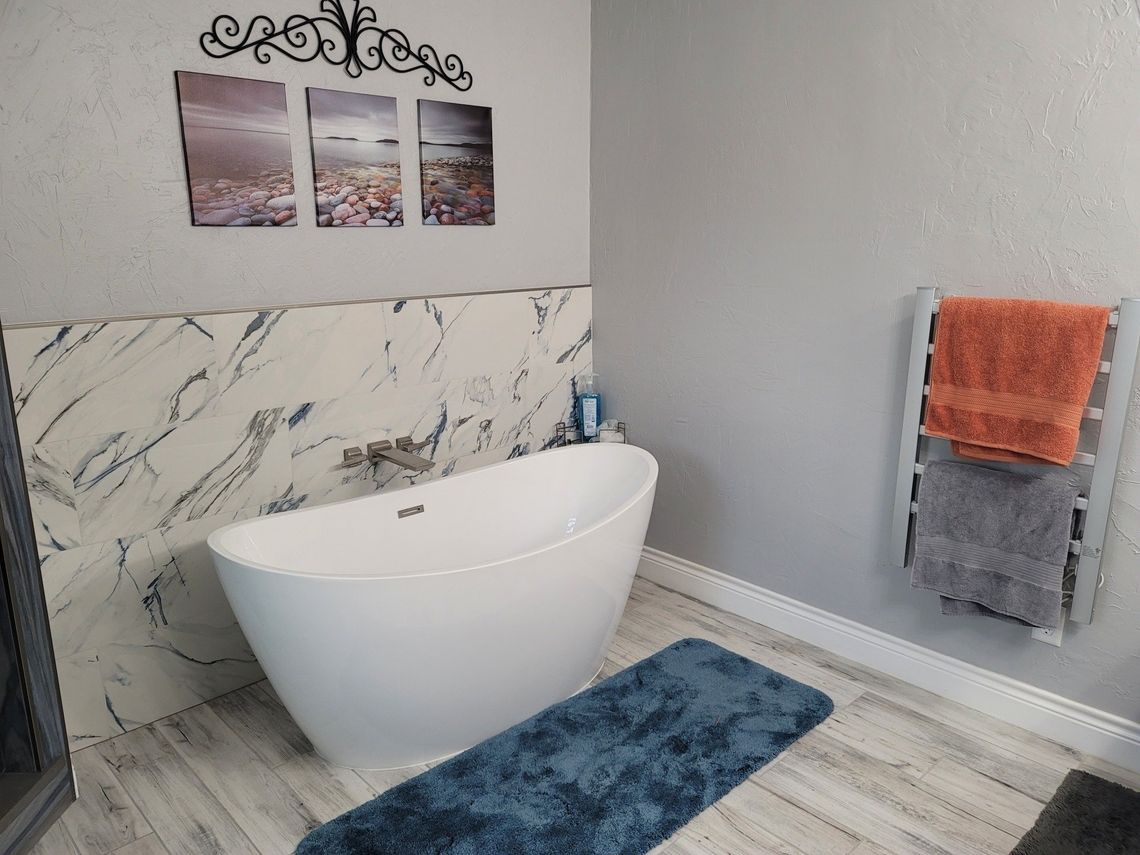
{"x":1096,"y":471}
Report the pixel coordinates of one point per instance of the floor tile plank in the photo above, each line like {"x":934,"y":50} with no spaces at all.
{"x":56,"y":841}
{"x":264,"y":807}
{"x":916,"y":728}
{"x":149,"y":845}
{"x":104,"y":818}
{"x":886,"y":794}
{"x":327,"y":790}
{"x":854,"y":727}
{"x":724,"y":830}
{"x":980,"y":795}
{"x":262,"y":723}
{"x":1110,"y":772}
{"x":851,"y":809}
{"x":683,"y":846}
{"x":788,"y":821}
{"x":182,"y":810}
{"x":869,"y":848}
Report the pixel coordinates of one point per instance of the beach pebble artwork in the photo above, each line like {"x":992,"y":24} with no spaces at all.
{"x":356,"y":159}
{"x":264,"y":200}
{"x":459,"y":191}
{"x":457,"y":164}
{"x":350,"y":198}
{"x":238,"y":157}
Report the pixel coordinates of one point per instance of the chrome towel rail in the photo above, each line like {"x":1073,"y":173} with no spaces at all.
{"x":1113,"y":319}
{"x":1097,"y":474}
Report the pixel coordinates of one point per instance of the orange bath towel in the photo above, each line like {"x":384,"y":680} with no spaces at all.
{"x":1010,"y":378}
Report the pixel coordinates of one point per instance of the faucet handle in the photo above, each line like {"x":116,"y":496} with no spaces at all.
{"x":354,"y":457}
{"x":406,"y":443}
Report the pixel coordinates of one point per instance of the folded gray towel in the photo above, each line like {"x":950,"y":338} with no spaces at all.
{"x":964,"y":608}
{"x":993,"y":543}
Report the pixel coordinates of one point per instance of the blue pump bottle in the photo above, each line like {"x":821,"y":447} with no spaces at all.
{"x":589,"y":408}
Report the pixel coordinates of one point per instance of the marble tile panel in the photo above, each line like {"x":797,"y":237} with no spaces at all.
{"x":460,"y":417}
{"x":551,"y":392}
{"x":452,"y":337}
{"x":84,"y":704}
{"x":270,"y":359}
{"x":196,"y":592}
{"x":96,"y":594}
{"x":320,"y":431}
{"x":51,"y":496}
{"x":486,"y":413}
{"x":83,"y":379}
{"x":137,"y":481}
{"x":166,"y":669}
{"x":563,"y":327}
{"x":471,"y":462}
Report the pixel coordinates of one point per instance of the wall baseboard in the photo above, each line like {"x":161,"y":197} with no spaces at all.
{"x":1077,"y":725}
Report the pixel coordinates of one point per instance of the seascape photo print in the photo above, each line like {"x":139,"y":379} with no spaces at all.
{"x":456,"y":164}
{"x":356,"y":159}
{"x":235,"y":134}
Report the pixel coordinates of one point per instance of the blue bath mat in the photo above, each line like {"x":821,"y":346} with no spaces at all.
{"x":615,"y":769}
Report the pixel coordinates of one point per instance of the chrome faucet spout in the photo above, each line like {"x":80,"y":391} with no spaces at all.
{"x":378,"y":451}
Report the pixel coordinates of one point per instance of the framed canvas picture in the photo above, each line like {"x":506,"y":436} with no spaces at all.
{"x":457,"y":164}
{"x":356,"y":159}
{"x":235,"y":135}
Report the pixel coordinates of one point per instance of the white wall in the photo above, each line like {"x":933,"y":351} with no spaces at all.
{"x":771,"y":181}
{"x":93,"y":203}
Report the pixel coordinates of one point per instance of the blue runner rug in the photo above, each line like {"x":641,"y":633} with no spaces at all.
{"x":615,"y":769}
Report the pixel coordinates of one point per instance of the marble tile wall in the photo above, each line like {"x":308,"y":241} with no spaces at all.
{"x":140,"y":437}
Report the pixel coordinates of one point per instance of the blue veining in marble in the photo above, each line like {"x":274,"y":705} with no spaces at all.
{"x":143,"y":436}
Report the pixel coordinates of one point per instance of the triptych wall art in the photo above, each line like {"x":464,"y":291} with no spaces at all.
{"x":239,"y":165}
{"x":235,"y":134}
{"x":356,"y":158}
{"x":456,"y":164}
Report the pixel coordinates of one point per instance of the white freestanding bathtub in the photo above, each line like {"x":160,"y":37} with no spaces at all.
{"x":396,"y":636}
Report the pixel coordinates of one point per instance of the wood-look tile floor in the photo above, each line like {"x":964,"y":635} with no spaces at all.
{"x":893,"y":770}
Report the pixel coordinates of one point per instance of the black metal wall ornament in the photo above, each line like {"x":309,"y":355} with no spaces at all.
{"x":354,"y":41}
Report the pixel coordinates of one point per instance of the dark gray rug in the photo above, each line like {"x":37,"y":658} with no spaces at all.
{"x":1087,"y":815}
{"x":611,"y":771}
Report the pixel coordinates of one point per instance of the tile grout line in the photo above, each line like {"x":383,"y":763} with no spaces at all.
{"x":94,"y":745}
{"x":969,"y":810}
{"x":159,"y":735}
{"x":153,"y":834}
{"x":273,"y":769}
{"x":236,"y":820}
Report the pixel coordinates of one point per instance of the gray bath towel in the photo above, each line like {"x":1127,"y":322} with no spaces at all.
{"x":993,"y":543}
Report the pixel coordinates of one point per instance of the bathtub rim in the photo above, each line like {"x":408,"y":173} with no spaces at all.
{"x":213,"y":540}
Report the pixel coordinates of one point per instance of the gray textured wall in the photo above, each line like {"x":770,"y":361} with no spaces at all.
{"x":771,"y":180}
{"x":94,"y":211}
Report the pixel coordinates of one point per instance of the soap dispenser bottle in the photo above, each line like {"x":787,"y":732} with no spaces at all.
{"x":589,"y":408}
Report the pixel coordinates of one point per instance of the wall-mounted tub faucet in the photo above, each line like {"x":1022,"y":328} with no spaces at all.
{"x":401,"y":454}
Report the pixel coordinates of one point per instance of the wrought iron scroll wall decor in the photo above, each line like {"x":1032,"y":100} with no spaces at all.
{"x":354,"y":41}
